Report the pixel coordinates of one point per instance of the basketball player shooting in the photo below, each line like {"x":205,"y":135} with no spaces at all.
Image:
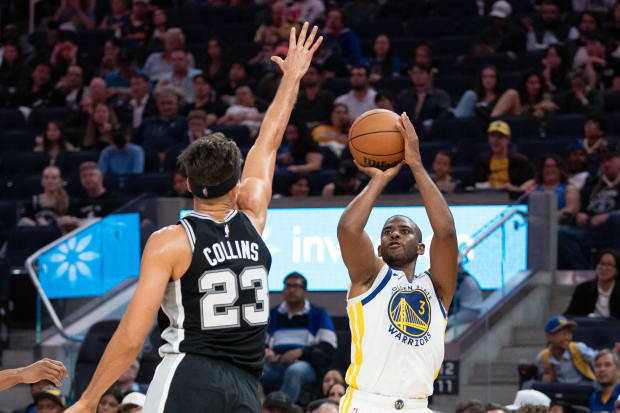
{"x":397,"y":318}
{"x":209,"y":273}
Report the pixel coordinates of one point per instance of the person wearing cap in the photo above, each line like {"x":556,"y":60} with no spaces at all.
{"x":502,"y":168}
{"x":277,"y":402}
{"x":131,"y":402}
{"x":607,"y":371}
{"x":502,"y":36}
{"x":564,"y":361}
{"x":50,"y":400}
{"x":529,"y":397}
{"x":598,"y":222}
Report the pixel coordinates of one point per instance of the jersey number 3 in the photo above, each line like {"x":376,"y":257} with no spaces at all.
{"x":221,"y":293}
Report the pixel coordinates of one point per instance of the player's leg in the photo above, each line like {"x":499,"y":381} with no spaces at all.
{"x":247,"y":394}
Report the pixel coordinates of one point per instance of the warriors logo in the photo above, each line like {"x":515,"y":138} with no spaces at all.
{"x":410,"y":312}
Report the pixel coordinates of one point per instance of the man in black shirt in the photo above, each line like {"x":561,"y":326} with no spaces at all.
{"x":313,"y":105}
{"x":96,"y":200}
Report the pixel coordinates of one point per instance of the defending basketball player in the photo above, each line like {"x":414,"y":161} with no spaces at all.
{"x":209,"y":273}
{"x":397,"y":318}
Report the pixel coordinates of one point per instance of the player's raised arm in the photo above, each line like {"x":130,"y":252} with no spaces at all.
{"x":255,"y":191}
{"x":444,"y":249}
{"x":161,"y":256}
{"x":355,"y":245}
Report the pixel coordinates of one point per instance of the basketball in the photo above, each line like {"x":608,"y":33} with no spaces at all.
{"x":375,"y":141}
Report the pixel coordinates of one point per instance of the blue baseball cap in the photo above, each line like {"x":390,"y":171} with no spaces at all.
{"x":557,"y":323}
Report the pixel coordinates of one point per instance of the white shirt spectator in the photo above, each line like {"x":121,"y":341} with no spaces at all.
{"x":306,"y":10}
{"x":357,"y":107}
{"x":601,"y":309}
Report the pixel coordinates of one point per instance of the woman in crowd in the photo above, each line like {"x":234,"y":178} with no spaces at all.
{"x":48,"y":207}
{"x":382,"y":63}
{"x":556,"y":65}
{"x":334,"y":134}
{"x":53,"y":141}
{"x":481,"y":100}
{"x":110,"y":402}
{"x":532,"y":99}
{"x":100,"y":126}
{"x":75,"y":15}
{"x":298,"y":152}
{"x":215,"y":62}
{"x":12,"y":69}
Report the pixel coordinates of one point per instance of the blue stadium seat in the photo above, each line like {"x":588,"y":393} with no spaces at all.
{"x":467,"y":152}
{"x":154,"y":183}
{"x":392,"y":27}
{"x":24,"y":241}
{"x":69,"y":162}
{"x":428,"y":149}
{"x":395,"y":84}
{"x":613,"y":125}
{"x":196,"y":34}
{"x":338,"y":85}
{"x":11,"y":119}
{"x":523,"y":127}
{"x":208,"y":16}
{"x":578,"y":394}
{"x":473,"y":24}
{"x":404,"y":47}
{"x":245,"y":50}
{"x":462,"y":173}
{"x":430,"y":27}
{"x":611,"y":101}
{"x":235,"y":33}
{"x":474,"y":62}
{"x":455,"y":85}
{"x":567,"y":125}
{"x":456,"y":8}
{"x":238,"y":133}
{"x":536,"y":149}
{"x":458,"y":130}
{"x":41,"y":116}
{"x":454,"y":45}
{"x":20,"y":139}
{"x":8,"y":213}
{"x":330,"y":160}
{"x":401,"y":184}
{"x":23,"y":186}
{"x":87,"y":39}
{"x":527,"y":60}
{"x":509,"y":80}
{"x":320,"y":178}
{"x":598,"y":337}
{"x":26,"y":162}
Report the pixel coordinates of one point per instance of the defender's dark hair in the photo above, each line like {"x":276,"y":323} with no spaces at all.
{"x":211,"y":160}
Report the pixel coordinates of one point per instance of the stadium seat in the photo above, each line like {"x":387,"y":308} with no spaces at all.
{"x":472,"y":63}
{"x":567,"y":125}
{"x":538,"y":148}
{"x":234,"y":33}
{"x":330,"y":160}
{"x":613,"y":125}
{"x":94,"y":37}
{"x":392,"y":27}
{"x":611,"y":101}
{"x":26,"y":162}
{"x":473,"y":24}
{"x":11,"y":119}
{"x":429,"y":27}
{"x":597,"y":337}
{"x":19,"y":139}
{"x":8,"y":213}
{"x":245,"y":50}
{"x":455,"y":84}
{"x":149,"y":358}
{"x":456,"y":8}
{"x":401,"y":184}
{"x":509,"y":80}
{"x":467,"y":152}
{"x":91,"y":350}
{"x":154,"y":183}
{"x":69,"y":162}
{"x":523,"y":127}
{"x":394,"y":84}
{"x":23,"y":241}
{"x":40,"y":117}
{"x":428,"y":149}
{"x":238,"y":133}
{"x":454,"y":45}
{"x":578,"y":394}
{"x":320,"y":178}
{"x":529,"y":60}
{"x":196,"y":34}
{"x":458,"y":129}
{"x":404,"y":47}
{"x":23,"y":186}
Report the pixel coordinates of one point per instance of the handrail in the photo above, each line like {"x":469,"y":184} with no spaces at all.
{"x":472,"y":244}
{"x":30,"y":267}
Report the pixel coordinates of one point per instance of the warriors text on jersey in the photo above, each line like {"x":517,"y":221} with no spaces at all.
{"x":220,"y":307}
{"x":397,"y":337}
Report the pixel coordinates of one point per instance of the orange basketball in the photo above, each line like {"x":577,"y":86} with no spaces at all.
{"x":374,"y":139}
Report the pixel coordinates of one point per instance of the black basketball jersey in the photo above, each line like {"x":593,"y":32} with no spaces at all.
{"x":220,"y":307}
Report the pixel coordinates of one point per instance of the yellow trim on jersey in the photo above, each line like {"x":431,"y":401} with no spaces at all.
{"x":356,"y":322}
{"x":444,"y":339}
{"x":345,"y":403}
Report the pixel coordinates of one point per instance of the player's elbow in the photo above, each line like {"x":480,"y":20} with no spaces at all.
{"x":446,"y":231}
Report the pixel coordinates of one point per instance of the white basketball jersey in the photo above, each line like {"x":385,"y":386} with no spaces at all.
{"x":397,"y":336}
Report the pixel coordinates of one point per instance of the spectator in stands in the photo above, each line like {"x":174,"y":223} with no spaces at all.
{"x":97,"y":93}
{"x":531,"y":99}
{"x":347,"y":182}
{"x":121,"y":157}
{"x":110,"y":401}
{"x":50,"y":400}
{"x":301,"y":11}
{"x":382,"y":63}
{"x":498,"y":408}
{"x":330,"y":378}
{"x":339,"y":41}
{"x":181,"y":76}
{"x":599,"y":297}
{"x":118,"y":19}
{"x":335,"y":392}
{"x":70,"y":90}
{"x":140,"y":105}
{"x":12,"y":67}
{"x":292,"y":358}
{"x":159,"y":63}
{"x":196,"y":125}
{"x":560,"y":406}
{"x":160,"y":24}
{"x":423,"y":55}
{"x":588,"y":24}
{"x":361,"y":97}
{"x":581,"y":98}
{"x":132,"y":402}
{"x":277,"y":402}
{"x":385,"y":99}
{"x":237,"y":76}
{"x":472,"y":406}
{"x":50,"y":206}
{"x":556,"y":64}
{"x":481,"y":100}
{"x":75,"y":15}
{"x":167,"y":129}
{"x":563,"y":360}
{"x":179,"y":185}
{"x":423,"y":101}
{"x":215,"y":63}
{"x":530,"y":401}
{"x":576,"y":163}
{"x":502,"y":36}
{"x":298,"y":185}
{"x":298,"y":152}
{"x":548,"y":27}
{"x":607,"y":370}
{"x":65,"y":54}
{"x":593,"y":130}
{"x":14,"y":36}
{"x":53,"y":141}
{"x":261,"y":63}
{"x":502,"y":168}
{"x":101,"y":124}
{"x":247,"y":111}
{"x":36,"y":91}
{"x":598,"y":64}
{"x":323,"y":406}
{"x":35,"y":387}
{"x":119,"y":80}
{"x":136,"y":33}
{"x":552,"y":176}
{"x":334,"y":134}
{"x":314,"y":102}
{"x":95,"y":200}
{"x":467,"y":301}
{"x":126,"y":383}
{"x":611,"y":30}
{"x":269,"y":82}
{"x":441,"y":174}
{"x":278,"y":21}
{"x":205,"y":100}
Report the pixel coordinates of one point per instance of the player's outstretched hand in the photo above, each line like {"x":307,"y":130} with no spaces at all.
{"x":81,"y":407}
{"x":300,"y":52}
{"x":375,"y":173}
{"x":412,"y":142}
{"x":45,"y":369}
